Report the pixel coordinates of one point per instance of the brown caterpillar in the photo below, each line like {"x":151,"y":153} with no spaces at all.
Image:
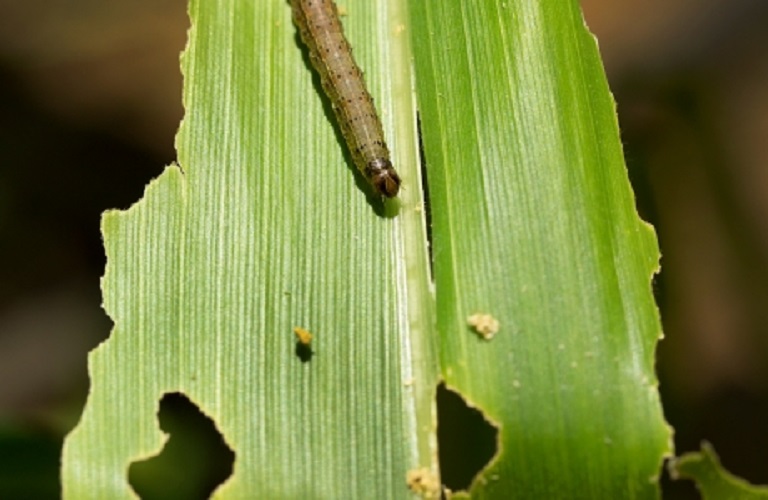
{"x":321,"y":31}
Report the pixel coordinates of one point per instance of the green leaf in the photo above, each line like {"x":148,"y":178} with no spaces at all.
{"x":265,"y":225}
{"x":713,"y":481}
{"x":535,"y":224}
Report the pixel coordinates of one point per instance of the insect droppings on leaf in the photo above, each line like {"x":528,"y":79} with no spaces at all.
{"x":423,"y":482}
{"x":485,"y":325}
{"x":303,"y":344}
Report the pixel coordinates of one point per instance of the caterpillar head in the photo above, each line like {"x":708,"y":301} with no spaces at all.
{"x":383,"y":177}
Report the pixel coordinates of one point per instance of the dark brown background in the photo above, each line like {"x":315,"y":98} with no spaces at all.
{"x":89,"y":104}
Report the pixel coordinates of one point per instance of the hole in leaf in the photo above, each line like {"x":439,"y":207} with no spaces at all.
{"x":466,"y":440}
{"x":304,"y":352}
{"x":194,"y":461}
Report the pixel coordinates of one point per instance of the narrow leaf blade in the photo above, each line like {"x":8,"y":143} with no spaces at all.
{"x":535,"y":224}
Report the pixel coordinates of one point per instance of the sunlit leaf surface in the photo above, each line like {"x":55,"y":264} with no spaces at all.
{"x":265,"y":225}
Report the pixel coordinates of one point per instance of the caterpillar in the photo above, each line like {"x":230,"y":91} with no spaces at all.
{"x":329,"y":51}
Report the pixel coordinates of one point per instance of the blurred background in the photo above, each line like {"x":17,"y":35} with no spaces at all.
{"x":90,"y":100}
